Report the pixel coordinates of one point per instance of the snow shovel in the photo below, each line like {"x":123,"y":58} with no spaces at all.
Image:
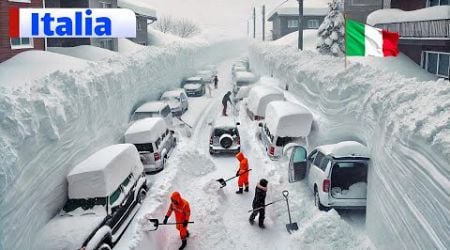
{"x":223,"y":182}
{"x":291,"y":226}
{"x":268,"y":204}
{"x":156,"y":224}
{"x":189,"y":130}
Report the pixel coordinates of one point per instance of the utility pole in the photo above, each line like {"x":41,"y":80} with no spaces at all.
{"x":300,"y":24}
{"x":264,"y":22}
{"x":254,"y":23}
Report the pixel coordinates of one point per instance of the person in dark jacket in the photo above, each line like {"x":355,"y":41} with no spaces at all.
{"x":225,"y":100}
{"x":216,"y":82}
{"x":258,"y":203}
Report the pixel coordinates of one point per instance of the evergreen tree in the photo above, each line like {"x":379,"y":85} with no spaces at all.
{"x":331,"y":32}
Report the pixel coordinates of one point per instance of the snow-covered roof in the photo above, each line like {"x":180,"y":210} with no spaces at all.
{"x":244,"y":76}
{"x":173,"y":93}
{"x":345,"y":149}
{"x":151,"y":107}
{"x":139,"y":7}
{"x":260,"y":96}
{"x":398,"y":16}
{"x":192,"y":86}
{"x":102,"y":173}
{"x":194,"y":79}
{"x":147,"y":130}
{"x":288,"y":119}
{"x":243,"y":92}
{"x":224,"y":122}
{"x":86,"y":52}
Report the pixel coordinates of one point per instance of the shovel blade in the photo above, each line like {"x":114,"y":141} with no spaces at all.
{"x":292,"y":227}
{"x":154,"y":223}
{"x":222,"y":182}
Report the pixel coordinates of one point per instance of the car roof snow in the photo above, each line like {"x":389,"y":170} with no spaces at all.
{"x":154,"y":106}
{"x":345,"y":149}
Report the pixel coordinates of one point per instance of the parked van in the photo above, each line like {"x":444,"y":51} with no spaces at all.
{"x":243,"y":79}
{"x":177,"y":100}
{"x":153,"y":109}
{"x":104,"y":193}
{"x":336,"y":173}
{"x":285,"y":122}
{"x":258,"y":99}
{"x":154,"y":141}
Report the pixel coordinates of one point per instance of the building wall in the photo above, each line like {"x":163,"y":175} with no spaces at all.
{"x":359,"y":9}
{"x":141,"y":35}
{"x":413,"y":48}
{"x":5,"y":45}
{"x":408,"y":4}
{"x":280,"y":24}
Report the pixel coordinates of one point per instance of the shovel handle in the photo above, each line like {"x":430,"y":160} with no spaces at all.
{"x":229,"y":179}
{"x":285,"y":194}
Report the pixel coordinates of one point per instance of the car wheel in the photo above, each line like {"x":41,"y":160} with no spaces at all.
{"x":104,"y":246}
{"x":141,"y":196}
{"x":317,"y":200}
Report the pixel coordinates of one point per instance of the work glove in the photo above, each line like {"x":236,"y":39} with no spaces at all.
{"x":185,"y":223}
{"x":237,"y":173}
{"x":165,"y":219}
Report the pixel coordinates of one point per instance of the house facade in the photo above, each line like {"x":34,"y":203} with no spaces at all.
{"x":10,"y":47}
{"x":285,"y":20}
{"x":145,"y":14}
{"x":106,"y":43}
{"x":424,"y":28}
{"x":359,"y":9}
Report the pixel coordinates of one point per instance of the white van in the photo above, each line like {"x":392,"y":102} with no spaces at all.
{"x":336,"y":173}
{"x":177,"y":100}
{"x":153,"y":109}
{"x":104,"y":193}
{"x":243,"y":79}
{"x":154,"y":141}
{"x":285,"y":122}
{"x":258,"y":99}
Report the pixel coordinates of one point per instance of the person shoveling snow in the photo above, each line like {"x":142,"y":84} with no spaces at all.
{"x":182,"y":213}
{"x":225,"y":100}
{"x":258,"y":204}
{"x":242,"y":172}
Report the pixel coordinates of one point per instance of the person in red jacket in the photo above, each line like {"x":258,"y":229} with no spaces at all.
{"x":182,"y":213}
{"x":242,"y":173}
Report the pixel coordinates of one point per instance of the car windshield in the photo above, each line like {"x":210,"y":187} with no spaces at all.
{"x":85,"y":204}
{"x":147,"y":147}
{"x":171,"y":98}
{"x":221,"y":131}
{"x":142,"y":115}
{"x":242,"y":83}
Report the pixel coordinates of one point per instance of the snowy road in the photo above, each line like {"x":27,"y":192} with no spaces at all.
{"x":221,"y":218}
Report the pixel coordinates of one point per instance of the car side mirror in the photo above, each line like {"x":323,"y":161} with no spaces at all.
{"x":260,"y":124}
{"x":172,"y":132}
{"x":238,"y":123}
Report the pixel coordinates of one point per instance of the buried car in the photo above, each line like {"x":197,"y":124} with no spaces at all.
{"x":224,"y":136}
{"x":258,"y":99}
{"x":336,"y":173}
{"x":153,"y":109}
{"x":194,"y":86}
{"x":177,"y":100}
{"x":105,"y":192}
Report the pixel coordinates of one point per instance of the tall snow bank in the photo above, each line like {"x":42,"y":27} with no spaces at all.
{"x":86,"y":52}
{"x":74,"y":108}
{"x":404,"y":122}
{"x":399,"y":16}
{"x":291,"y":39}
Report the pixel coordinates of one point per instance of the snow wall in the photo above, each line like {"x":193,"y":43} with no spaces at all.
{"x":49,"y":125}
{"x":404,"y":122}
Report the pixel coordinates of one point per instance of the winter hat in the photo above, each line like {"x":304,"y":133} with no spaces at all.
{"x":263,"y":182}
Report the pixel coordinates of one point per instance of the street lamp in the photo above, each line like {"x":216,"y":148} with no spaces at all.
{"x":300,"y":24}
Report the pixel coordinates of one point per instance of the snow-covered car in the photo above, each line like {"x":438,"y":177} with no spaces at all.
{"x":243,"y":79}
{"x":104,"y":193}
{"x":153,"y":109}
{"x":258,"y":99}
{"x":285,"y":122}
{"x":177,"y":100}
{"x":154,"y":141}
{"x":336,"y":173}
{"x":194,"y":86}
{"x":224,"y":136}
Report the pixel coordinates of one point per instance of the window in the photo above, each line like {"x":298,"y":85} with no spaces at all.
{"x":21,"y":43}
{"x":318,"y":159}
{"x":313,"y":24}
{"x":20,"y":1}
{"x":293,"y":23}
{"x":105,"y":5}
{"x":106,"y":44}
{"x":148,"y":147}
{"x":139,"y":24}
{"x":163,"y":135}
{"x":299,"y":154}
{"x":431,"y":3}
{"x":361,"y":3}
{"x":324,"y":163}
{"x":158,"y":142}
{"x":436,"y":62}
{"x":115,"y":196}
{"x":282,"y":141}
{"x":312,"y":155}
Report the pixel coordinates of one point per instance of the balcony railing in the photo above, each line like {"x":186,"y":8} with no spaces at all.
{"x":420,"y":29}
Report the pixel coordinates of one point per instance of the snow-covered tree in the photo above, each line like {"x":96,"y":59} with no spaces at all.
{"x":331,"y":32}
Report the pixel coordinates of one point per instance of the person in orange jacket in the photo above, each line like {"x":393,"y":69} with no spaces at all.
{"x":182,"y":213}
{"x":242,"y":173}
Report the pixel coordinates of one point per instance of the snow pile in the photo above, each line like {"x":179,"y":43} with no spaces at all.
{"x":399,"y":16}
{"x":86,"y":52}
{"x":139,"y":7}
{"x":291,"y":39}
{"x":195,"y":163}
{"x":357,"y":190}
{"x":403,"y":121}
{"x":56,"y":110}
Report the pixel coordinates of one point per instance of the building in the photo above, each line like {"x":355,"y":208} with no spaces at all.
{"x":359,"y":9}
{"x":424,"y":28}
{"x":106,"y":43}
{"x":144,"y":14}
{"x":10,"y":47}
{"x":285,"y":19}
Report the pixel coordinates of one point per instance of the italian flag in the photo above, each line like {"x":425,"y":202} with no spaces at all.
{"x":365,"y":40}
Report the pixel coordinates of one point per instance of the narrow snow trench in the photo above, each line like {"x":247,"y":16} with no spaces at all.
{"x":220,"y":215}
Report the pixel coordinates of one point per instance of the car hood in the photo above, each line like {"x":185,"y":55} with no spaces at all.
{"x":65,"y":232}
{"x":193,"y":86}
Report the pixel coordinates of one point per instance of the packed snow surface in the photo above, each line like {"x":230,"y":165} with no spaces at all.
{"x":403,"y":121}
{"x":138,"y":6}
{"x":86,"y":52}
{"x":398,"y":16}
{"x":146,"y":130}
{"x":285,"y":118}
